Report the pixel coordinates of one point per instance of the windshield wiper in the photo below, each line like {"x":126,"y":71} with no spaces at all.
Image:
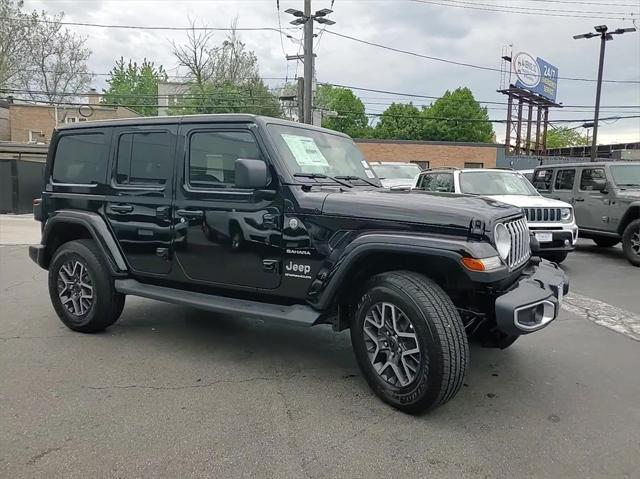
{"x":353,"y":177}
{"x":322,"y":176}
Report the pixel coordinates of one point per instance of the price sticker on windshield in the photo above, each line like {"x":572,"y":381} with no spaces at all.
{"x":305,"y":150}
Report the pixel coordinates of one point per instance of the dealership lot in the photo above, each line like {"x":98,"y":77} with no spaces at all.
{"x":172,"y":391}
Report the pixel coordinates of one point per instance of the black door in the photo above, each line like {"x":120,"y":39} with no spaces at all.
{"x":225,"y":235}
{"x":139,"y":207}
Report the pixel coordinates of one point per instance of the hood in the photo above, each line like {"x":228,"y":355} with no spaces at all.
{"x":523,"y":201}
{"x":416,"y":206}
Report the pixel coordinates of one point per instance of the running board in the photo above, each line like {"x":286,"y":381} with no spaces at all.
{"x":300,"y":314}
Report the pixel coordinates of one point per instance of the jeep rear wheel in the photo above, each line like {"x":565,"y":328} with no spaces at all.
{"x":81,"y":288}
{"x":409,"y":341}
{"x":631,"y":242}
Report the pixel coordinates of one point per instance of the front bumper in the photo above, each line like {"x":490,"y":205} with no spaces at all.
{"x":561,"y":239}
{"x":37,"y":254}
{"x":534,"y":301}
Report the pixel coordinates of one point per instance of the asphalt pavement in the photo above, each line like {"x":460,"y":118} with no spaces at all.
{"x":176,"y":392}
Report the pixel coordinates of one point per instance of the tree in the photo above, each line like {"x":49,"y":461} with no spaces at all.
{"x":38,"y":58}
{"x":135,"y":86}
{"x":563,"y":137}
{"x":400,"y":121}
{"x":349,"y":110}
{"x":457,"y":116}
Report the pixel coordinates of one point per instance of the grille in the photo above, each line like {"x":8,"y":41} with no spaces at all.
{"x":538,"y":215}
{"x":520,"y":247}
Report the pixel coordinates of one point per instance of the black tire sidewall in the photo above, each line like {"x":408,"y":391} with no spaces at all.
{"x":106,"y":301}
{"x":424,"y":390}
{"x":631,"y":256}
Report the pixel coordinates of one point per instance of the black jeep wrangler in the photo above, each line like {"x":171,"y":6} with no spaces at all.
{"x":281,"y":221}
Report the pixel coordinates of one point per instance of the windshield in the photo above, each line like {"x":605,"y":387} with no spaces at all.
{"x":309,"y":151}
{"x":495,"y":183}
{"x":626,"y":175}
{"x":397,"y":172}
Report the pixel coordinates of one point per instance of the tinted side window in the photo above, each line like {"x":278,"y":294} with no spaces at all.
{"x":212,"y":156}
{"x":81,"y":159}
{"x":565,"y":179}
{"x":144,"y":158}
{"x":542,"y":179}
{"x":590,"y":174}
{"x":426,"y":180}
{"x":443,"y":183}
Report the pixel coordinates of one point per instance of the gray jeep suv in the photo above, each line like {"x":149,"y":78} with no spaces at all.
{"x":605,"y":198}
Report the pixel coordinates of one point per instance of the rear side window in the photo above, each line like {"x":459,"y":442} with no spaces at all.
{"x":565,"y":179}
{"x":144,"y":158}
{"x":80,"y":159}
{"x":426,"y":180}
{"x":590,"y":174}
{"x":213,"y":154}
{"x":442,"y":182}
{"x":542,"y":179}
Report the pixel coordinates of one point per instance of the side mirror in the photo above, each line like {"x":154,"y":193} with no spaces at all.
{"x":599,"y":185}
{"x":250,"y":174}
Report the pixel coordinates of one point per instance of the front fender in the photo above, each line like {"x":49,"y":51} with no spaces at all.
{"x":340,"y":263}
{"x":632,"y":213}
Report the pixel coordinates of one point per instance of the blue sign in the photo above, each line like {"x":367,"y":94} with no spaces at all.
{"x":535,"y":75}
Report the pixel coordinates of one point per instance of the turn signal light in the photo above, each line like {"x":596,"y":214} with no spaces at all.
{"x":484,"y":264}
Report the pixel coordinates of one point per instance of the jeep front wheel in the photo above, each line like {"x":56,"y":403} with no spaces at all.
{"x":631,"y":242}
{"x":81,"y":288}
{"x":409,"y":341}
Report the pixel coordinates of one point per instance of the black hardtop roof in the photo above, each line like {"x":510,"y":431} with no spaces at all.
{"x":587,"y":163}
{"x":184,"y":119}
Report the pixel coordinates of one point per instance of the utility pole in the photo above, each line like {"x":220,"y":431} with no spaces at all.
{"x":306,"y":18}
{"x":605,"y":35}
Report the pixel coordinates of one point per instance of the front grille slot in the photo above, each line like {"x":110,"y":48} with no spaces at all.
{"x":541,"y":215}
{"x":520,"y":248}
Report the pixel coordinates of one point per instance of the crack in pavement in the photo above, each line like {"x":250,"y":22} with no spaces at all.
{"x":612,"y":317}
{"x":39,"y":456}
{"x":176,"y":388}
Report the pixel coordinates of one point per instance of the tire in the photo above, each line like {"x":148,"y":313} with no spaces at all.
{"x":631,"y":242}
{"x":605,"y":242}
{"x":556,"y":256}
{"x":79,"y":313}
{"x":434,"y":374}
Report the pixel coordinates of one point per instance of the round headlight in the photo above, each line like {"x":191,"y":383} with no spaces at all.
{"x":565,"y":213}
{"x":503,"y":240}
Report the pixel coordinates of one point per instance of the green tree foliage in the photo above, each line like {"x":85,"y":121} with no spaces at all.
{"x":400,"y":121}
{"x":563,"y":137}
{"x":350,"y":119}
{"x":229,"y":97}
{"x":135,"y":86}
{"x":457,"y":116}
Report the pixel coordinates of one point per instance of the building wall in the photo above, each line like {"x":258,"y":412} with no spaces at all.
{"x":42,"y":118}
{"x":436,"y":153}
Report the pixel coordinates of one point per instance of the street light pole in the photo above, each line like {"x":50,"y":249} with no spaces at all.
{"x":308,"y":64}
{"x":306,"y":18}
{"x":605,"y":35}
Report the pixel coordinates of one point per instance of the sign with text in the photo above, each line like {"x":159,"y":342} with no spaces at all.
{"x":535,"y":75}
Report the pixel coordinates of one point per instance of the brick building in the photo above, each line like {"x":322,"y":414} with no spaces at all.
{"x":22,"y":122}
{"x":432,"y":154}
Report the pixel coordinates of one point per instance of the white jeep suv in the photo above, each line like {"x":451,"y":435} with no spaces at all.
{"x":551,"y":221}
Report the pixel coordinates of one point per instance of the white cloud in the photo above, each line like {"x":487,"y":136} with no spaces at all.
{"x":462,"y":34}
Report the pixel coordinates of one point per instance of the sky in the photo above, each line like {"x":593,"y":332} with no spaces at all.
{"x":468,"y":31}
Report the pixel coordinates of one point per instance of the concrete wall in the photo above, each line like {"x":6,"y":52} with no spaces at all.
{"x":454,"y":154}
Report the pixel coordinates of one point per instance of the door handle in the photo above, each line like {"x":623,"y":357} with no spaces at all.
{"x":121,"y":208}
{"x":579,"y":199}
{"x":190,"y":214}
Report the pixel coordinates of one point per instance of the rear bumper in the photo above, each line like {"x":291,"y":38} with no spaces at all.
{"x":535,"y":300}
{"x":37,"y":254}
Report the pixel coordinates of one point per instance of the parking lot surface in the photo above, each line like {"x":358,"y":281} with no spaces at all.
{"x":176,"y":392}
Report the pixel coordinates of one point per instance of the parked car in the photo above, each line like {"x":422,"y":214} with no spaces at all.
{"x":395,"y":174}
{"x":550,"y":221}
{"x":528,"y":174}
{"x":605,"y":197}
{"x":138,"y":206}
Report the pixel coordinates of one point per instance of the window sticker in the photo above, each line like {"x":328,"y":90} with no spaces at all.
{"x":305,"y":151}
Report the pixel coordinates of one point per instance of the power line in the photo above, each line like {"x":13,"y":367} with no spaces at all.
{"x":525,"y":10}
{"x":453,"y":62}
